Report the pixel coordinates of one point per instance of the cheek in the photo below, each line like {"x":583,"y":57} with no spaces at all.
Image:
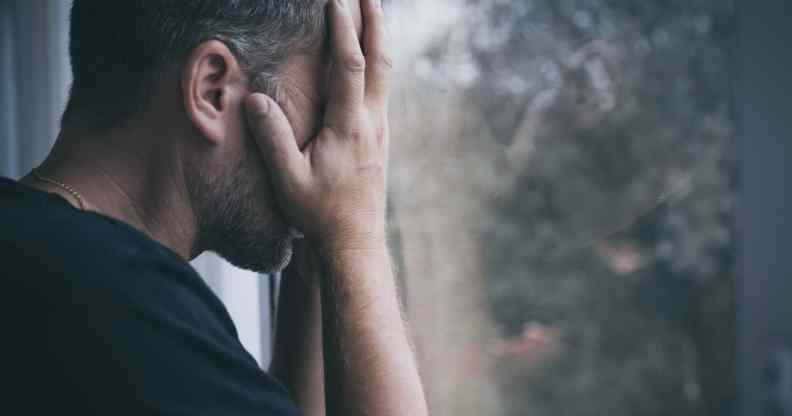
{"x":254,"y":174}
{"x":232,"y":151}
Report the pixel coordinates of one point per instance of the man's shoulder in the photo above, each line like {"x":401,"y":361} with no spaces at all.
{"x":47,"y":227}
{"x":112,"y":321}
{"x":83,"y":266}
{"x":50,"y":247}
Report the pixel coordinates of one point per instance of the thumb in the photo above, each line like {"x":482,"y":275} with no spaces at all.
{"x":274,"y":136}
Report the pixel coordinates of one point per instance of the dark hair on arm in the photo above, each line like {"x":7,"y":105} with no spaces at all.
{"x":119,"y":48}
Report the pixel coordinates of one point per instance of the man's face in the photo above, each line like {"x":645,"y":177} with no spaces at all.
{"x":239,"y":216}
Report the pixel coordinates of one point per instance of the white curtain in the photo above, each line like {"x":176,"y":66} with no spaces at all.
{"x":34,"y":80}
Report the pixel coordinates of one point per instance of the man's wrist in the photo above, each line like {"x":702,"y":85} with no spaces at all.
{"x":354,"y":237}
{"x":353,"y":245}
{"x":358,"y":248}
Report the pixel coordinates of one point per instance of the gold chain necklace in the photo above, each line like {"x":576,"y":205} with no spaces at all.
{"x":61,"y":185}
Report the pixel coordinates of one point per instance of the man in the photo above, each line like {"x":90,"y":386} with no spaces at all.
{"x":226,"y":125}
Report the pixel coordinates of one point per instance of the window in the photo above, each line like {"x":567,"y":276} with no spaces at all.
{"x":562,"y":204}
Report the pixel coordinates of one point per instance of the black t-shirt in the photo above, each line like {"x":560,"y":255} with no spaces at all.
{"x":97,"y":318}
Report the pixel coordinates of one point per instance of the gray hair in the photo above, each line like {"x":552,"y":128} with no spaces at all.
{"x":118,"y":49}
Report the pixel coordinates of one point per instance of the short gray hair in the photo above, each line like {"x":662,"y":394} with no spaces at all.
{"x":118,"y":48}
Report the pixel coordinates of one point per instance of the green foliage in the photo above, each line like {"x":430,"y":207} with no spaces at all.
{"x":615,"y":226}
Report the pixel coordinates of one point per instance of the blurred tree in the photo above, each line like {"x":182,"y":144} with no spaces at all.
{"x":602,"y":138}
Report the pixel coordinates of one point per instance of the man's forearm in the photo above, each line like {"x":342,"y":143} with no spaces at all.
{"x":370,"y":368}
{"x":334,"y":191}
{"x":297,"y":357}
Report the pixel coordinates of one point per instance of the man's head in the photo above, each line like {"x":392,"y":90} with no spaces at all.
{"x":183,"y":68}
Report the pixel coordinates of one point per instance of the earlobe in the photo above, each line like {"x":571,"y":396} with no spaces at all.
{"x":208,"y":76}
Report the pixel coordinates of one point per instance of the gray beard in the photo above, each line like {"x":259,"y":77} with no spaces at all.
{"x":237,"y":217}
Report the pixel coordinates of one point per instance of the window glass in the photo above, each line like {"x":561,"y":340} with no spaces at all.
{"x":562,"y":198}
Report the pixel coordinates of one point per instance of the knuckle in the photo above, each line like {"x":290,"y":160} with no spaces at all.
{"x":381,"y":133}
{"x":384,"y":61}
{"x":335,"y":131}
{"x":356,"y":135}
{"x":355,"y":131}
{"x":355,"y":63}
{"x":343,"y":131}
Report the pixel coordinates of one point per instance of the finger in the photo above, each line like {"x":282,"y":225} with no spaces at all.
{"x":378,"y":60}
{"x":275,"y":138}
{"x":347,"y":82}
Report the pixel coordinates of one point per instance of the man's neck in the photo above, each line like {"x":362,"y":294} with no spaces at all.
{"x":119,"y":174}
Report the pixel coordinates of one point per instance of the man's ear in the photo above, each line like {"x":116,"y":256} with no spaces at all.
{"x":211,"y":78}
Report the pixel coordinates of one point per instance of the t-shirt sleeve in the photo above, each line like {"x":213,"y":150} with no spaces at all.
{"x":151,"y":339}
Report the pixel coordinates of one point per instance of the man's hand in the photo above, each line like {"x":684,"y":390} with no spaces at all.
{"x":334,"y":191}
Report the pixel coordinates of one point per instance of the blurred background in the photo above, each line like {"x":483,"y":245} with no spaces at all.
{"x":563,"y":196}
{"x":564,"y":186}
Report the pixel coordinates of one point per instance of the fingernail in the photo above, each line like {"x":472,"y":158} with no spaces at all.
{"x":256,"y":104}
